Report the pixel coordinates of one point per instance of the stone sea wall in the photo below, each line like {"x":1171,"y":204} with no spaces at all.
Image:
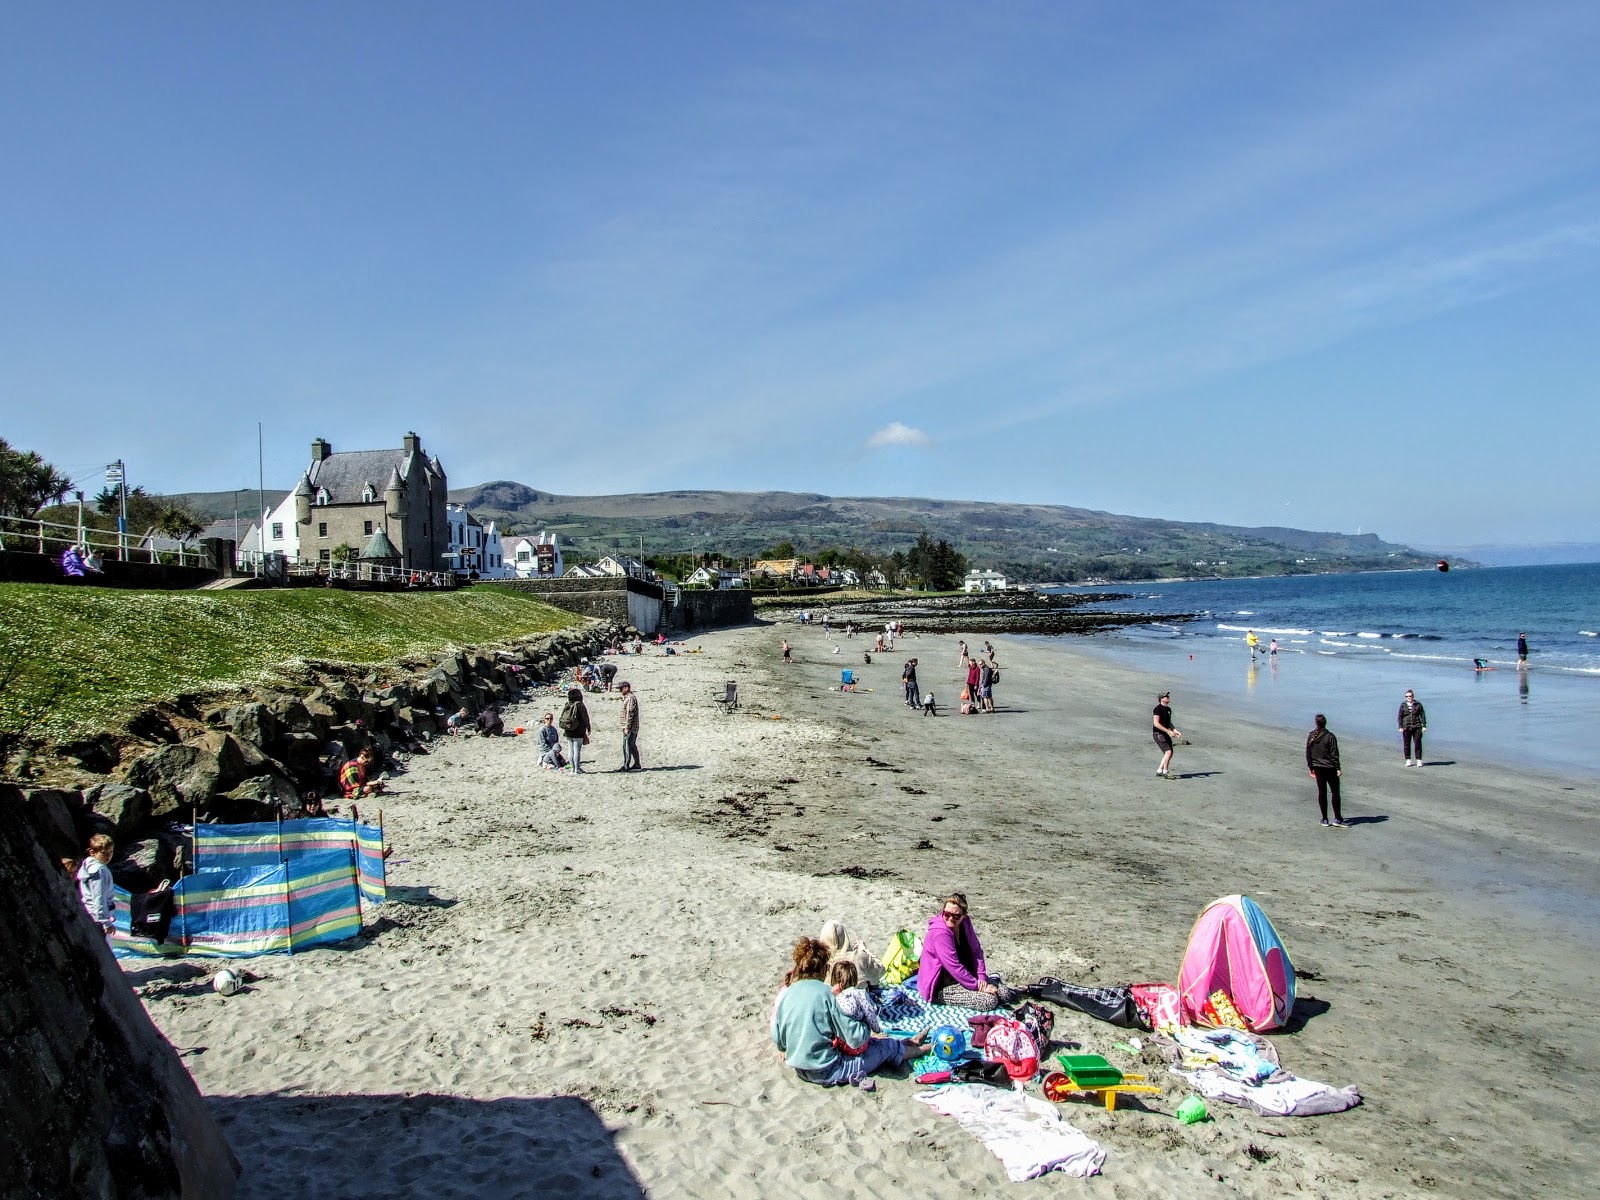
{"x":94,"y":1102}
{"x":249,"y":756}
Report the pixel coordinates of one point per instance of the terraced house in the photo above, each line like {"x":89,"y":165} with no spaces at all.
{"x":388,"y":504}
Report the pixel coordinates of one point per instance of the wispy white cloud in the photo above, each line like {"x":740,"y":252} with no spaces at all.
{"x":897,"y":434}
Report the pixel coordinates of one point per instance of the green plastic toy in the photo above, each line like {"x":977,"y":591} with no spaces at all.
{"x":1192,"y":1111}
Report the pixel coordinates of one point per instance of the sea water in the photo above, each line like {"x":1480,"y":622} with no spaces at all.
{"x":1350,"y":645}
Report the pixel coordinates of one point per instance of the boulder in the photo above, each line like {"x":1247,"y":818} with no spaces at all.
{"x":50,"y":813}
{"x":320,"y":709}
{"x":94,"y":1101}
{"x":254,"y":723}
{"x":141,"y":865}
{"x":259,"y":798}
{"x":291,"y":714}
{"x":122,"y":805}
{"x":177,"y":776}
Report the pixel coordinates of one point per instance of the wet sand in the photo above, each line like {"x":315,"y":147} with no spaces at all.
{"x":568,"y":990}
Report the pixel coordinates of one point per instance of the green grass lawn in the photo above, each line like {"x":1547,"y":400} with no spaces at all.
{"x":90,"y":654}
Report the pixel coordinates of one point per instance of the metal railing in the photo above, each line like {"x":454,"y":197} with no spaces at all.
{"x":356,"y":570}
{"x":52,"y":537}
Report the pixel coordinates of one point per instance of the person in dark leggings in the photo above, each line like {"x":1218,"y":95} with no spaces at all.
{"x":1322,"y":762}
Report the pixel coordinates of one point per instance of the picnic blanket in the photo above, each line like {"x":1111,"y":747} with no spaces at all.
{"x":904,"y":1012}
{"x":1026,"y":1134}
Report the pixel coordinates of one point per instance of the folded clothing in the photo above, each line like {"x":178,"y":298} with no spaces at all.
{"x":1026,"y":1134}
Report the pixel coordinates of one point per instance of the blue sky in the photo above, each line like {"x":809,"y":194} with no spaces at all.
{"x":1334,"y":266}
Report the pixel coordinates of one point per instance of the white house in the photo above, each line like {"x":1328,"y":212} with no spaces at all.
{"x":473,"y":545}
{"x":624,"y":564}
{"x":875,"y":579}
{"x":716,"y":577}
{"x":984,"y":581}
{"x":536,"y":557}
{"x":283,"y":531}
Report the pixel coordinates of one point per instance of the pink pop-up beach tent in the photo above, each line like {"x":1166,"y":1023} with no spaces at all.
{"x":1235,"y":948}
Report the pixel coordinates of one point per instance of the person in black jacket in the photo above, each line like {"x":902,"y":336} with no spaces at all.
{"x":1322,"y":762}
{"x":1413,"y":724}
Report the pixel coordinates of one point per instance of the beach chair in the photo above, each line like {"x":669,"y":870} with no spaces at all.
{"x":1093,"y":1075}
{"x":729,"y":699}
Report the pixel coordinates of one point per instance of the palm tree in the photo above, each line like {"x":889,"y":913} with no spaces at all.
{"x":178,"y":523}
{"x":27,"y":482}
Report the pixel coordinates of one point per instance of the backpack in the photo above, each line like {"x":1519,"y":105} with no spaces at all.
{"x":1039,"y":1021}
{"x":1010,"y":1044}
{"x":902,"y":958}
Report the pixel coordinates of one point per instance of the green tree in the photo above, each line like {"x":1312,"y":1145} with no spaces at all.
{"x":781,"y":550}
{"x":177,"y":523}
{"x":345,"y":552}
{"x":27,"y":482}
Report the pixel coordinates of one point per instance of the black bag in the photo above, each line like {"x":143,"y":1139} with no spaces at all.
{"x":1039,"y":1021}
{"x":1114,"y":1004}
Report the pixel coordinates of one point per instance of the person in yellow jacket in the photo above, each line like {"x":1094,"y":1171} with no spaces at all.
{"x":1251,"y":640}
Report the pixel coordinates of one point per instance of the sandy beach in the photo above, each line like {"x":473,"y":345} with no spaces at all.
{"x":567,"y":993}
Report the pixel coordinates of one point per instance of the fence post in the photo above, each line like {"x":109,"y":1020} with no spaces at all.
{"x":41,"y":537}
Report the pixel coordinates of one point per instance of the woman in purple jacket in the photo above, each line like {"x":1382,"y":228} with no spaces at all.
{"x":953,"y":971}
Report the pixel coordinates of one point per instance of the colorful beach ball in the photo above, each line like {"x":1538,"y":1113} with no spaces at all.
{"x":948,"y":1043}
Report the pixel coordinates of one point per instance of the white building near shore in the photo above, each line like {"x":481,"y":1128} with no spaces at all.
{"x":984,"y":581}
{"x":474,"y":546}
{"x":535,"y":557}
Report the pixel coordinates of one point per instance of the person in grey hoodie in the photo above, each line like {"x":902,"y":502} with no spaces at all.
{"x":1322,"y":762}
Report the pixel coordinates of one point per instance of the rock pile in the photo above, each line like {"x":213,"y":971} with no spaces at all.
{"x":250,"y":758}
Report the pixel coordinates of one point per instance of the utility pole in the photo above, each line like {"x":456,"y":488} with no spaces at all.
{"x":261,"y":500}
{"x":80,"y":518}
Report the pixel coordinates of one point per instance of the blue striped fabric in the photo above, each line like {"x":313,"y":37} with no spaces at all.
{"x":276,"y":908}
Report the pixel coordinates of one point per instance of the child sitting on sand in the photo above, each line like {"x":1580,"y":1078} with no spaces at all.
{"x":853,"y":999}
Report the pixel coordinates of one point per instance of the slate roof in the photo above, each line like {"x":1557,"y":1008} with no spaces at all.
{"x":379,"y":546}
{"x":345,"y":474}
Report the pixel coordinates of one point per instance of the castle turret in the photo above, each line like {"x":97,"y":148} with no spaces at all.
{"x":302,"y":501}
{"x":394,"y":497}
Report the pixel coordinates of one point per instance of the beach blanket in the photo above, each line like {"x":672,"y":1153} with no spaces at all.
{"x":1246,"y":1057}
{"x":1026,"y":1134}
{"x":904,"y":1013}
{"x":1284,"y":1096}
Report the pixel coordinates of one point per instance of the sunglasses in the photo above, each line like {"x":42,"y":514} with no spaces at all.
{"x":953,"y":916}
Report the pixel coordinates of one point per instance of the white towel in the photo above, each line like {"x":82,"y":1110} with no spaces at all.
{"x":1025,"y":1134}
{"x":1290,"y":1097}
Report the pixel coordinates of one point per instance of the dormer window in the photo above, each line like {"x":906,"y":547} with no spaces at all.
{"x":369,"y":494}
{"x":322,"y":497}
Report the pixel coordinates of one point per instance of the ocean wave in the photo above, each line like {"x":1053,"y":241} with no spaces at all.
{"x":1245,"y":612}
{"x":1338,"y":632}
{"x":1587,"y":633}
{"x":1248,"y":628}
{"x":1369,"y":635}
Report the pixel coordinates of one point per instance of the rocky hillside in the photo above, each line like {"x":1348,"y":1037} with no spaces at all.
{"x":1028,"y":541}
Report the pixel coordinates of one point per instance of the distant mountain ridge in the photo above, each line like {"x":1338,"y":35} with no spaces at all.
{"x":1029,"y":541}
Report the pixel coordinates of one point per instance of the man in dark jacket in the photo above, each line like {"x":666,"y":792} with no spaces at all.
{"x":1322,"y":762}
{"x":1413,"y":724}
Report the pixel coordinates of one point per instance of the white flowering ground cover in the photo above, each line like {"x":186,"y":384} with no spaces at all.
{"x":88,"y":655}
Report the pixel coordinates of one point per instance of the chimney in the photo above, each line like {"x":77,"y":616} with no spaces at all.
{"x":412,"y":443}
{"x":320,"y":450}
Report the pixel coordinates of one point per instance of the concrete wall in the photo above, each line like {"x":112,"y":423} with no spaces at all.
{"x":19,"y":567}
{"x":612,"y":598}
{"x":711,"y":610}
{"x":94,"y":1102}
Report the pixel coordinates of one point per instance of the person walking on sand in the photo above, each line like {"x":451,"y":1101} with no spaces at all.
{"x":1322,"y":763}
{"x":913,"y":692}
{"x":1164,"y":734}
{"x":1251,"y":640}
{"x":574,"y":726}
{"x":1272,"y":650}
{"x":630,"y":728}
{"x":963,"y":656}
{"x":788,"y":655}
{"x":1522,"y":651}
{"x":1413,"y":724}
